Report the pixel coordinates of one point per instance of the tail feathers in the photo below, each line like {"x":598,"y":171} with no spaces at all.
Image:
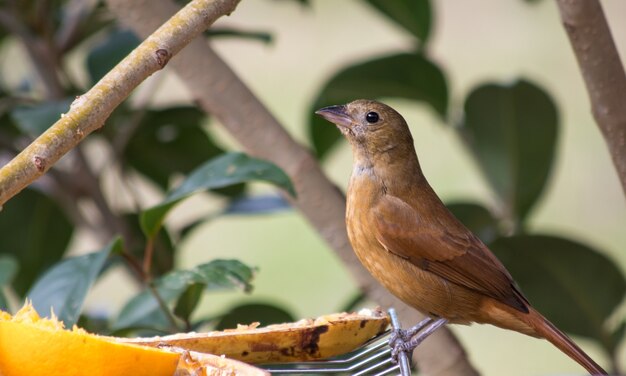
{"x":547,"y":330}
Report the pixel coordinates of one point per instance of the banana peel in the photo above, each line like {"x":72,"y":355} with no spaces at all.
{"x":305,"y":340}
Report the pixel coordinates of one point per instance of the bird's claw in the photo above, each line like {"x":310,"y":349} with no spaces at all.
{"x":397,"y":348}
{"x":406,"y":341}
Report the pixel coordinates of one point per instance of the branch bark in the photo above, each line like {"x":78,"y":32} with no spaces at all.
{"x":220,"y":92}
{"x":602,"y":71}
{"x":89,"y":111}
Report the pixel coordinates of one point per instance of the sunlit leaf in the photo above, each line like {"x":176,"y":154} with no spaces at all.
{"x":407,"y":75}
{"x":63,"y":287}
{"x":223,"y":171}
{"x":512,"y":130}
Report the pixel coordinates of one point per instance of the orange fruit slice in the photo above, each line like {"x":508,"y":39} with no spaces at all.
{"x":33,"y":346}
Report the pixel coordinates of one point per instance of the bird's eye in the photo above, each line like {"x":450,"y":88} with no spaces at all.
{"x":371,"y":117}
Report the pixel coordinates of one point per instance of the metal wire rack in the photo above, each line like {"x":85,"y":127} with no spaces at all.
{"x":371,"y":359}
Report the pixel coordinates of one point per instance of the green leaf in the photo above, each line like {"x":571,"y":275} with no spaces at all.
{"x":512,"y":131}
{"x":144,"y":309}
{"x":188,"y":301}
{"x":8,"y":269}
{"x":63,"y":287}
{"x":4,"y":302}
{"x":263,"y":313}
{"x":413,"y":15}
{"x":228,"y":169}
{"x":36,"y":232}
{"x":407,"y":75}
{"x":170,"y":141}
{"x":34,"y":120}
{"x":106,"y":55}
{"x":355,"y":301}
{"x":574,"y":286}
{"x":164,"y":250}
{"x":475,"y":217}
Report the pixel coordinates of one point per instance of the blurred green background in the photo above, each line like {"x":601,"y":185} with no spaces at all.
{"x":477,"y":41}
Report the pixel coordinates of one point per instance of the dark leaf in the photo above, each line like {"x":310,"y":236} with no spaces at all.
{"x":106,"y":55}
{"x":512,"y":130}
{"x":476,"y":218}
{"x":257,"y":205}
{"x":8,"y":270}
{"x":574,"y":286}
{"x":36,"y":232}
{"x":34,"y":120}
{"x":188,"y":301}
{"x":93,"y":323}
{"x":4,"y":302}
{"x":170,"y":141}
{"x":618,"y":335}
{"x":163,"y":248}
{"x":63,"y":287}
{"x":263,"y":313}
{"x":228,"y":169}
{"x":358,"y":298}
{"x":144,"y":309}
{"x":413,"y":15}
{"x":410,"y":76}
{"x":304,"y":3}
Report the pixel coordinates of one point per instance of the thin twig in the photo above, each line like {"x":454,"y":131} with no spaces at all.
{"x":166,"y":310}
{"x":147,"y":255}
{"x":602,"y":71}
{"x":90,"y":111}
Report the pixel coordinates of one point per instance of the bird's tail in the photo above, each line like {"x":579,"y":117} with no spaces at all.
{"x":547,"y":330}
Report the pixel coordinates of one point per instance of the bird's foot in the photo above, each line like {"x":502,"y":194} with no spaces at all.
{"x":399,"y":336}
{"x":406,"y":341}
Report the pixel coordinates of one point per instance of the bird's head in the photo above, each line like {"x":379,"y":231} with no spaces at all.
{"x":373,"y":128}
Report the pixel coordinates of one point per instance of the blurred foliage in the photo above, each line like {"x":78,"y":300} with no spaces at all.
{"x":169,"y":148}
{"x":511,"y":130}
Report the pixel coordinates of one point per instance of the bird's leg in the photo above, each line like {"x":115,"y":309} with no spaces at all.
{"x":407,"y":340}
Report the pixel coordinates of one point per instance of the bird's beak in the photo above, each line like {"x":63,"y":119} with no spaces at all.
{"x":336,"y":115}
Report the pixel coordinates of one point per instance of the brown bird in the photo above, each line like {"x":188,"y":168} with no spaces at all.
{"x":405,"y":236}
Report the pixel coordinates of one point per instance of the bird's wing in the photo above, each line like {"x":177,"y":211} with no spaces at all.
{"x":446,"y":249}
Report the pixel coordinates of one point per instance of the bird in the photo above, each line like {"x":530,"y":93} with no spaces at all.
{"x":416,"y":248}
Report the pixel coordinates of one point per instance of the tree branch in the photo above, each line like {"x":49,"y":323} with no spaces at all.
{"x":603,"y":72}
{"x":220,"y":92}
{"x":90,"y":111}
